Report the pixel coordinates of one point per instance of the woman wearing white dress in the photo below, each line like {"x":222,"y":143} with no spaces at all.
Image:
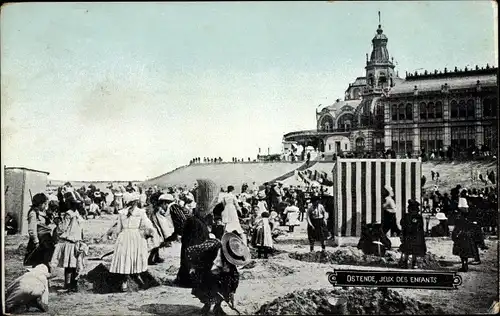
{"x":131,"y":248}
{"x":230,"y":214}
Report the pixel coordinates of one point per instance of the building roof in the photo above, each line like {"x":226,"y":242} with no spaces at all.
{"x":435,"y":84}
{"x":26,"y":169}
{"x":360,"y":81}
{"x":339,"y":104}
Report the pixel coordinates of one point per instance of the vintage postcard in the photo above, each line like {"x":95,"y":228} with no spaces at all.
{"x":250,"y":158}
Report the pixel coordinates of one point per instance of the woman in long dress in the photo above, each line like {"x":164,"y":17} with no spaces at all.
{"x":131,"y":248}
{"x":262,"y":239}
{"x":230,"y":214}
{"x":67,"y":250}
{"x":196,"y":229}
{"x":40,"y":229}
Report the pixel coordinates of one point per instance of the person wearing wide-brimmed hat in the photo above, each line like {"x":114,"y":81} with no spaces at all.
{"x":66,"y":252}
{"x":196,"y":228}
{"x":389,"y":221}
{"x":40,"y":230}
{"x":214,"y":270}
{"x":441,"y":229}
{"x":131,"y":249}
{"x":413,"y":235}
{"x":316,"y":223}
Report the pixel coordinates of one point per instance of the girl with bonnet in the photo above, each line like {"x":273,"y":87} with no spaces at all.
{"x":70,"y":242}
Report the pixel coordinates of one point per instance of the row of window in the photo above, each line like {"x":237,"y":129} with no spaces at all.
{"x":431,"y":139}
{"x":431,"y":110}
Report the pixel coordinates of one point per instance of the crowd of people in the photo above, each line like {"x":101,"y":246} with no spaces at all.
{"x":207,"y":160}
{"x":218,"y":226}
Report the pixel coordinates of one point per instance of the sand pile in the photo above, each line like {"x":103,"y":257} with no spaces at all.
{"x":359,"y":301}
{"x":100,"y":280}
{"x":354,"y":256}
{"x":264,"y":269}
{"x":273,"y":253}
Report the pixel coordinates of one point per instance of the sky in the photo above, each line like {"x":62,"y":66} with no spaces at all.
{"x":129,"y":91}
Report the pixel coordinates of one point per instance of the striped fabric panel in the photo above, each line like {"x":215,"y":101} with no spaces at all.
{"x":359,"y":199}
{"x":348,"y":205}
{"x":363,"y":190}
{"x":343,"y":188}
{"x":359,"y":183}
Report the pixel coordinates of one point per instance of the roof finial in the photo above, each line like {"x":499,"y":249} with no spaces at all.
{"x":379,"y":24}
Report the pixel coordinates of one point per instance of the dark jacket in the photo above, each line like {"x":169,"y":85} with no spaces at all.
{"x":413,"y":235}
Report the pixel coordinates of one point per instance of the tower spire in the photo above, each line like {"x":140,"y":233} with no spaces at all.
{"x":379,"y":24}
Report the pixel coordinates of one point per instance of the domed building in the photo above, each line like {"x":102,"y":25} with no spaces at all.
{"x":423,"y":112}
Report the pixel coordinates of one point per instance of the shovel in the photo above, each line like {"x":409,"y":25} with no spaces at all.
{"x":230,"y":304}
{"x":102,"y":257}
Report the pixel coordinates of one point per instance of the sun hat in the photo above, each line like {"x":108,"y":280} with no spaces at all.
{"x":130,"y":197}
{"x":441,"y":216}
{"x":234,"y":249}
{"x":166,"y":197}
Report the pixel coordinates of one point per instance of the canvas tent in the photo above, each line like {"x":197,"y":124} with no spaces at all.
{"x":18,"y":184}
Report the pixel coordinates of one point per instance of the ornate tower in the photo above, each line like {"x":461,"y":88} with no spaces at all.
{"x":379,"y":68}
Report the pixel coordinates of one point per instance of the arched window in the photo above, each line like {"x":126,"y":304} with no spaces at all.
{"x":394,"y":112}
{"x":462,"y":109}
{"x":360,"y":144}
{"x":356,"y":93}
{"x":487,"y":108}
{"x":370,"y":79}
{"x":345,"y":122}
{"x":402,"y":112}
{"x":326,"y":123}
{"x":471,"y":109}
{"x":409,"y":111}
{"x":431,"y":108}
{"x":454,"y":109}
{"x":439,"y":110}
{"x":423,"y":111}
{"x":382,"y":81}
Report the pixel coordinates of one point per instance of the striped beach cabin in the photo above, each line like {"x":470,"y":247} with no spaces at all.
{"x":358,"y":185}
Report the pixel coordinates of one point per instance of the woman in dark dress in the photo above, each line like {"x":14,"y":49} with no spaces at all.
{"x":413,"y":235}
{"x":196,"y":228}
{"x":464,"y":245}
{"x":41,"y":244}
{"x":316,"y":223}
